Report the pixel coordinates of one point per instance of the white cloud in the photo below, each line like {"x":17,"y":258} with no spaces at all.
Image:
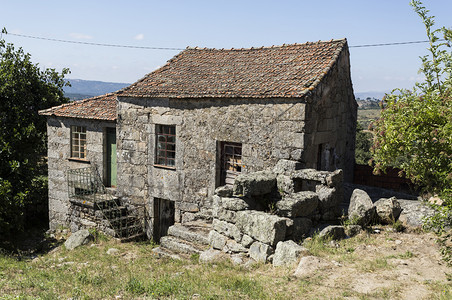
{"x":139,"y":37}
{"x":80,"y":36}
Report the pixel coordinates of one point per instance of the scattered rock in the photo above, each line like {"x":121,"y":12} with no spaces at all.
{"x":413,"y":211}
{"x":361,"y":210}
{"x":388,"y":210}
{"x":211,"y":255}
{"x":287,"y":253}
{"x":309,"y":265}
{"x":287,"y":166}
{"x":81,"y":237}
{"x":335,"y":232}
{"x":260,"y":251}
{"x":234,"y":204}
{"x":300,"y":228}
{"x":112,"y":251}
{"x":217,"y":240}
{"x":352,"y":230}
{"x":224,"y":191}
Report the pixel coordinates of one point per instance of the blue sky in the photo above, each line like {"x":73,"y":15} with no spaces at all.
{"x":218,"y":24}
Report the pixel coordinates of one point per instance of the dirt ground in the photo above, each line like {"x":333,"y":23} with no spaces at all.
{"x":384,"y":265}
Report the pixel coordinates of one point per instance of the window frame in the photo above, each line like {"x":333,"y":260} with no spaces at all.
{"x":79,"y":140}
{"x":165,"y":146}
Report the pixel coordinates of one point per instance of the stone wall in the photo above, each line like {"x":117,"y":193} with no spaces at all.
{"x":264,"y":208}
{"x":59,"y":161}
{"x":265,"y":127}
{"x":331,"y":122}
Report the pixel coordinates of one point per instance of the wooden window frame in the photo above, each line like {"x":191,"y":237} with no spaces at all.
{"x":165,"y":146}
{"x":78,"y":142}
{"x":231,"y":161}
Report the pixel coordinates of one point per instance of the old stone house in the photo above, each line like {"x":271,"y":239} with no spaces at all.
{"x":203,"y":118}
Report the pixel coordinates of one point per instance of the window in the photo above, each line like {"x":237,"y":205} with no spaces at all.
{"x":231,"y":162}
{"x":78,"y":142}
{"x":165,"y":145}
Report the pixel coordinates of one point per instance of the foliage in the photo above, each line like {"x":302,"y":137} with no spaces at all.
{"x":24,"y":89}
{"x":362,"y":145}
{"x":414,"y":132}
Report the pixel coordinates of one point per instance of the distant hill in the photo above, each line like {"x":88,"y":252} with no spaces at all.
{"x":81,"y":89}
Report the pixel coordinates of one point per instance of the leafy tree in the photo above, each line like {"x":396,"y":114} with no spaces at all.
{"x":24,"y":89}
{"x":362,"y":145}
{"x":414,"y":132}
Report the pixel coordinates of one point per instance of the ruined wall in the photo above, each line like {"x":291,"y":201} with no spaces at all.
{"x":331,"y":122}
{"x":59,"y":161}
{"x":267,"y":128}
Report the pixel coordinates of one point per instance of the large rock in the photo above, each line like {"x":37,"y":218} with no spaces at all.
{"x":227,"y":229}
{"x":300,"y":204}
{"x":334,"y":232}
{"x":298,"y":228}
{"x":224,"y":191}
{"x":287,"y":253}
{"x":335,"y":179}
{"x":329,"y":198}
{"x":287,"y":166}
{"x":309,"y":266}
{"x":254,"y":184}
{"x":81,"y":237}
{"x":217,"y":240}
{"x":361,"y":210}
{"x":234,"y":204}
{"x":388,"y":210}
{"x":266,"y":228}
{"x":260,"y":252}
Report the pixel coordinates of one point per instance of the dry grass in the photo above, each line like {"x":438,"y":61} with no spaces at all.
{"x":365,"y":267}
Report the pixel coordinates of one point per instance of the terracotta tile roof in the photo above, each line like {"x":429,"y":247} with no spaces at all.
{"x":96,"y":108}
{"x":277,"y":71}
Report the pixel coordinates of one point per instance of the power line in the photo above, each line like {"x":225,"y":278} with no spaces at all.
{"x":178,"y":49}
{"x":95,"y":44}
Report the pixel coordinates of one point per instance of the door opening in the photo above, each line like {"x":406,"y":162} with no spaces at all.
{"x":111,"y":157}
{"x":163,"y":217}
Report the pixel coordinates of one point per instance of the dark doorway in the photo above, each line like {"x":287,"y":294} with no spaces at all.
{"x":110,"y":163}
{"x":230,"y":162}
{"x":163,"y":217}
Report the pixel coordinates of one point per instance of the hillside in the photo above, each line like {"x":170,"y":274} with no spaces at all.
{"x":81,"y":89}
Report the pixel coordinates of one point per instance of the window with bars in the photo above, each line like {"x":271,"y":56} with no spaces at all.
{"x":165,"y":145}
{"x":78,"y":142}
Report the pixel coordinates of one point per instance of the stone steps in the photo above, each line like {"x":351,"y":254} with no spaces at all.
{"x":185,"y":239}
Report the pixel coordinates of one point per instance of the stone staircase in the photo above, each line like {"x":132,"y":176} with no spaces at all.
{"x":125,"y":222}
{"x":183,"y":240}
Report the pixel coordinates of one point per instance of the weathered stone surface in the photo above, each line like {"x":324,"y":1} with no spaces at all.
{"x":224,"y":191}
{"x":309,"y":265}
{"x":335,"y":179}
{"x":266,"y":228}
{"x":287,"y":166}
{"x":352,"y":230}
{"x":287,"y":253}
{"x":246,"y":241}
{"x":234,"y":247}
{"x":217,"y":240}
{"x":227,"y":215}
{"x":388,"y":210}
{"x":300,"y":228}
{"x":227,"y":229}
{"x":260,"y":251}
{"x":328,"y":197}
{"x":361,"y":210}
{"x":254,"y":184}
{"x":234,"y":204}
{"x":300,"y":204}
{"x":413,"y":211}
{"x":334,"y":232}
{"x":311,"y":174}
{"x":285,"y":184}
{"x":79,"y":238}
{"x":211,"y":255}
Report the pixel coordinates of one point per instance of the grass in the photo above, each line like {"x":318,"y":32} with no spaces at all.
{"x":134,"y":272}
